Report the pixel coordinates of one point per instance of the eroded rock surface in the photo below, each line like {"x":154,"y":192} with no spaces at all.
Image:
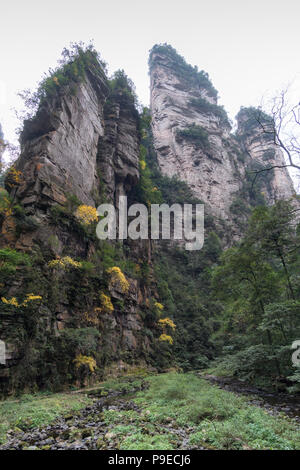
{"x":215,"y":171}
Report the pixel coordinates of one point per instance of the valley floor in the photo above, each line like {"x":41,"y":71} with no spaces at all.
{"x":161,"y":412}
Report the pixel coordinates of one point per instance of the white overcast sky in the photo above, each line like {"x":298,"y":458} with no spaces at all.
{"x":248,"y":47}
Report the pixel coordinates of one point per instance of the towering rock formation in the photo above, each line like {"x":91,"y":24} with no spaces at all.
{"x":1,"y":145}
{"x":193,"y":139}
{"x":82,"y":147}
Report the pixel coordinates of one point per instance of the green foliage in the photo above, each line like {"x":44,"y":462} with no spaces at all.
{"x":122,"y":88}
{"x":71,"y":70}
{"x":32,"y":411}
{"x":193,"y":307}
{"x":10,"y":260}
{"x":256,"y":282}
{"x":219,"y":419}
{"x":147,"y":192}
{"x":196,"y":134}
{"x":251,"y":119}
{"x":78,"y":340}
{"x":239,"y":207}
{"x":206,"y":107}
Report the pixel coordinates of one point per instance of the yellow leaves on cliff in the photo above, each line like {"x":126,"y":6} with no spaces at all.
{"x":159,"y":306}
{"x":31,"y":298}
{"x":14,"y":303}
{"x":117,"y":279}
{"x":64,"y":263}
{"x":164,"y":322}
{"x":86,"y":214}
{"x":13,"y":177}
{"x":88,"y":361}
{"x":106,"y":304}
{"x":166,"y":338}
{"x":92,"y":317}
{"x":142,"y":164}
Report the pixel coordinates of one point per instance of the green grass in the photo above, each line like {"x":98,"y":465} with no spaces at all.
{"x":209,"y":417}
{"x":220,"y":419}
{"x":31,"y":411}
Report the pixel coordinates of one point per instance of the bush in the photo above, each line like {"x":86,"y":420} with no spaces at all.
{"x":206,"y":107}
{"x":195,"y":134}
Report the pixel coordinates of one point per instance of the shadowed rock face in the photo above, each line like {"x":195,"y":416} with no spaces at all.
{"x":215,"y":171}
{"x":82,"y":142}
{"x":59,"y":148}
{"x":72,"y":138}
{"x":1,"y":144}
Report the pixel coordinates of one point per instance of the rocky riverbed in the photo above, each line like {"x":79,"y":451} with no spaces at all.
{"x":89,"y":430}
{"x":161,"y":412}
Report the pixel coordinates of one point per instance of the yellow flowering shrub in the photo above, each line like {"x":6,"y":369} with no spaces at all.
{"x":163,"y":322}
{"x":117,"y":279}
{"x":92,"y":317}
{"x":106,"y":303}
{"x":13,"y":301}
{"x":88,"y":361}
{"x":64,"y":263}
{"x":142,"y":164}
{"x":86,"y":214}
{"x":159,"y":306}
{"x":13,"y":177}
{"x":166,"y":338}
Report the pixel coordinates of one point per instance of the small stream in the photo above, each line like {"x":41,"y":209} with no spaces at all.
{"x":274,"y":403}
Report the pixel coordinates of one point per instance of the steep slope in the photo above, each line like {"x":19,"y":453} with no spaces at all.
{"x":1,"y":144}
{"x":193,"y":140}
{"x":65,"y":300}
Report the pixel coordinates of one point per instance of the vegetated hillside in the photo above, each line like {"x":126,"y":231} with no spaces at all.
{"x":240,"y":305}
{"x":73,"y":308}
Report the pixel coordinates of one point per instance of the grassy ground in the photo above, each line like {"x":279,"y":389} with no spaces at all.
{"x":216,"y":419}
{"x":32,"y":411}
{"x":177,"y":410}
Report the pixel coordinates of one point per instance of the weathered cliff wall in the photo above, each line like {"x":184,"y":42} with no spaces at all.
{"x":1,"y":143}
{"x":193,"y":139}
{"x":82,"y":147}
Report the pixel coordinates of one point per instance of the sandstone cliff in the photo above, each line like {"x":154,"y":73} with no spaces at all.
{"x":193,"y":139}
{"x":1,"y":144}
{"x":82,"y":147}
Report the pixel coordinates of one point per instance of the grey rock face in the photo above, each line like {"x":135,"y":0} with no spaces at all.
{"x":81,"y":139}
{"x":215,"y":172}
{"x":1,"y":144}
{"x":261,"y":149}
{"x":118,"y":152}
{"x":72,"y":139}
